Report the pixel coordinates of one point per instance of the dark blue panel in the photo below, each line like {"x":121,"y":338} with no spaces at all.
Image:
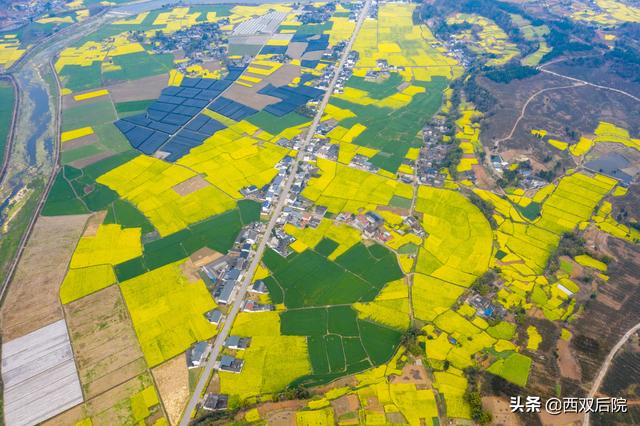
{"x":220,"y":104}
{"x":235,"y":72}
{"x":301,"y":37}
{"x":190,"y":82}
{"x":184,"y":141}
{"x":176,"y":119}
{"x":171,"y":90}
{"x":221,"y":85}
{"x":139,"y":119}
{"x":164,"y":127}
{"x":138,"y":135}
{"x":309,"y":64}
{"x":190,"y":134}
{"x":316,"y":45}
{"x":176,"y":100}
{"x":124,"y":126}
{"x":189,"y":92}
{"x":162,"y":106}
{"x":211,"y":127}
{"x":273,"y":50}
{"x":175,"y":156}
{"x":198,"y":103}
{"x":312,"y":92}
{"x":305,"y":77}
{"x":280,"y":109}
{"x":197,"y":122}
{"x":187,"y":110}
{"x":155,"y":115}
{"x":208,"y":95}
{"x":154,"y":142}
{"x":205,"y":83}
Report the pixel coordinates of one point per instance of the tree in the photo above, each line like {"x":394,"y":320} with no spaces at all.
{"x":478,"y":414}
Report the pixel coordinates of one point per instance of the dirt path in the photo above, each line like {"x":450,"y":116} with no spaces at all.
{"x":597,"y":86}
{"x":606,"y":364}
{"x":524,"y":110}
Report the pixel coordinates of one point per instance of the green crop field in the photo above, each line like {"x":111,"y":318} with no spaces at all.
{"x":133,"y":106}
{"x":339,"y":342}
{"x":125,"y":214}
{"x":79,"y":78}
{"x":7,"y":98}
{"x":325,"y":282}
{"x":89,"y":115}
{"x":377,"y":90}
{"x":135,"y":66}
{"x":318,"y":293}
{"x":217,"y":233}
{"x":514,"y":368}
{"x":275,"y":125}
{"x":393,"y":132}
{"x":326,"y":246}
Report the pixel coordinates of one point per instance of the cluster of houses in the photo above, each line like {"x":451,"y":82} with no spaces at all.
{"x":428,"y":165}
{"x":15,"y":14}
{"x":202,"y":40}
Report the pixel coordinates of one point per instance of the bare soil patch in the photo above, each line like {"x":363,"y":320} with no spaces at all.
{"x":68,"y":101}
{"x":106,"y":348}
{"x":80,"y":142}
{"x":172,"y":380}
{"x":32,"y":299}
{"x":93,"y":224}
{"x":80,"y":164}
{"x":249,"y":95}
{"x":345,"y":404}
{"x":565,"y":419}
{"x":413,"y":373}
{"x":191,"y":185}
{"x":567,"y":364}
{"x":499,"y":409}
{"x":296,"y":49}
{"x":138,"y":90}
{"x":204,"y":256}
{"x":313,"y":56}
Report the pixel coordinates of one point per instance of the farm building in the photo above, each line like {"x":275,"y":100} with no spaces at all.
{"x":230,"y":364}
{"x":237,"y":342}
{"x":216,"y":402}
{"x":196,"y":354}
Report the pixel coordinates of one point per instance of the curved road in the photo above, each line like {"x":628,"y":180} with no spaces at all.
{"x":597,"y":86}
{"x":607,"y":363}
{"x":577,"y":83}
{"x":282,"y":197}
{"x":524,"y":108}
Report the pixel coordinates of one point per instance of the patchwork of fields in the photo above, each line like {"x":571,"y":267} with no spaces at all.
{"x":383,"y":296}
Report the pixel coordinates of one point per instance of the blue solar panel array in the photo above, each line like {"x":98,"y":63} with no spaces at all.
{"x":291,"y":98}
{"x":231,"y":109}
{"x":273,"y":50}
{"x":307,"y":63}
{"x":162,"y":124}
{"x":174,"y":123}
{"x":315,"y":42}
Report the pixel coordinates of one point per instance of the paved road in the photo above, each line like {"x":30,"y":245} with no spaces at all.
{"x":607,"y":363}
{"x":217,"y":346}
